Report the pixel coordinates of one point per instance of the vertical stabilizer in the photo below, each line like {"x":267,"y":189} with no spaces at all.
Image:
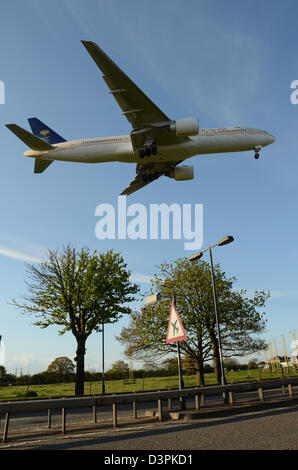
{"x":44,"y":132}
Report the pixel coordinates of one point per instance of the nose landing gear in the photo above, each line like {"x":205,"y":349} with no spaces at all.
{"x":257,"y":152}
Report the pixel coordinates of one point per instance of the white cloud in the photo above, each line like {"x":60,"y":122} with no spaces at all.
{"x":24,"y":360}
{"x":274,"y":294}
{"x":30,"y":253}
{"x":27,"y":363}
{"x":20,"y":249}
{"x":18,"y":255}
{"x":279,"y":294}
{"x":141,"y":278}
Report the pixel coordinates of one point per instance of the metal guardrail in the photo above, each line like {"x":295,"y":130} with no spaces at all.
{"x":8,"y":408}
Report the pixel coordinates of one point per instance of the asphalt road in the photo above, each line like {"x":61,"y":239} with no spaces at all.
{"x":268,"y":426}
{"x":272,"y":429}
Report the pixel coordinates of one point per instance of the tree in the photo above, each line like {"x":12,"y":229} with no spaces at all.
{"x":119,"y":369}
{"x":61,"y":366}
{"x":189,"y":365}
{"x":253,"y":363}
{"x":231,"y":364}
{"x":43,"y":378}
{"x":78,"y":291}
{"x":171,"y":365}
{"x":240,"y":321}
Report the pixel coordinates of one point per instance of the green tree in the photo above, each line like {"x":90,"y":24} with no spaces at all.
{"x":119,"y":368}
{"x":171,"y":365}
{"x":231,"y":364}
{"x":188,"y":365}
{"x":253,"y":363}
{"x":240,"y":320}
{"x":78,"y":291}
{"x":61,"y":366}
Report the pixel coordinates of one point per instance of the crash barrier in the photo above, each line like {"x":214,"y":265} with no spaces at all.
{"x":93,"y":402}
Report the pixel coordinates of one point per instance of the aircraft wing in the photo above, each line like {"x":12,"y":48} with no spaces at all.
{"x":135,"y":105}
{"x":148,"y":121}
{"x":146,"y":173}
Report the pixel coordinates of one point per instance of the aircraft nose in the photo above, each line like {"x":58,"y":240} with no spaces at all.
{"x":267,"y":139}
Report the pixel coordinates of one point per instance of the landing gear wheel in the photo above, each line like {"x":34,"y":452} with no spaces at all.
{"x":257,"y":150}
{"x":142,"y":153}
{"x":148,"y":152}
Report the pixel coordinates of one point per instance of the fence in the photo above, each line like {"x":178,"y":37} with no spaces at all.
{"x":92,"y":402}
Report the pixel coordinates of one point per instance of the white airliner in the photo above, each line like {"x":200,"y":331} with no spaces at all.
{"x":157,"y":144}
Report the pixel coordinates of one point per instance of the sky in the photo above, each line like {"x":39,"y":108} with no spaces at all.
{"x":229,"y":64}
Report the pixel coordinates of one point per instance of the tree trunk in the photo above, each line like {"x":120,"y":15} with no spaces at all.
{"x":200,"y":372}
{"x":80,"y":369}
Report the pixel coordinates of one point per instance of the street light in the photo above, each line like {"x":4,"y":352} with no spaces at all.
{"x":225,"y":240}
{"x":103,"y":389}
{"x":153,"y":299}
{"x":195,"y":257}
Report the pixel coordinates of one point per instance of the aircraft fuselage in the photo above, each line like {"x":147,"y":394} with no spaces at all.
{"x":119,"y":148}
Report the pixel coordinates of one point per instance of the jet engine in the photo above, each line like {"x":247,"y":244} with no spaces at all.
{"x":185,"y":126}
{"x":182,"y":173}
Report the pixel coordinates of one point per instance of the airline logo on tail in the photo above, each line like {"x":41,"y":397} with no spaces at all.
{"x":44,"y":135}
{"x":44,"y":132}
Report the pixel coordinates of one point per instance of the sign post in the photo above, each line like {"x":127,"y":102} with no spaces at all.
{"x":175,"y":334}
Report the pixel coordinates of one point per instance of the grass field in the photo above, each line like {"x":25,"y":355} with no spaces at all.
{"x":118,"y":386}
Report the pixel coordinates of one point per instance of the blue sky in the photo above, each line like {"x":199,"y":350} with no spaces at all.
{"x":227,"y":64}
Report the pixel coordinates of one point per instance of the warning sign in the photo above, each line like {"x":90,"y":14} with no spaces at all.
{"x":175,"y":328}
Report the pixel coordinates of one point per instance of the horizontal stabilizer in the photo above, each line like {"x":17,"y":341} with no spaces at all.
{"x":29,"y":139}
{"x":41,"y":165}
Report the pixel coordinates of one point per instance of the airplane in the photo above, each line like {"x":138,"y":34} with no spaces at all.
{"x":157,"y":144}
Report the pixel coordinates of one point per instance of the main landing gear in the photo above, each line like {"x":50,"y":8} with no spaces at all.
{"x":257,"y":152}
{"x":148,"y":151}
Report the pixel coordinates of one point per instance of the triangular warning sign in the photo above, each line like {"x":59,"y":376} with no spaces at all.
{"x":175,"y":328}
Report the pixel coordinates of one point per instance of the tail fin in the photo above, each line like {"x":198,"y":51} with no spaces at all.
{"x":30,"y":140}
{"x":44,"y":132}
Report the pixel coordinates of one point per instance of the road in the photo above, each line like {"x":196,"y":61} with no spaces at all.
{"x":268,"y":426}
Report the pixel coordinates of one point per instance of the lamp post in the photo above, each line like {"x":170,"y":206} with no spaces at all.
{"x":103,"y":358}
{"x":195,"y":257}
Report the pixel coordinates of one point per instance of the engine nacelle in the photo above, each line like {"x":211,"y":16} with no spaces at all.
{"x":182,"y":173}
{"x":185,"y":126}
